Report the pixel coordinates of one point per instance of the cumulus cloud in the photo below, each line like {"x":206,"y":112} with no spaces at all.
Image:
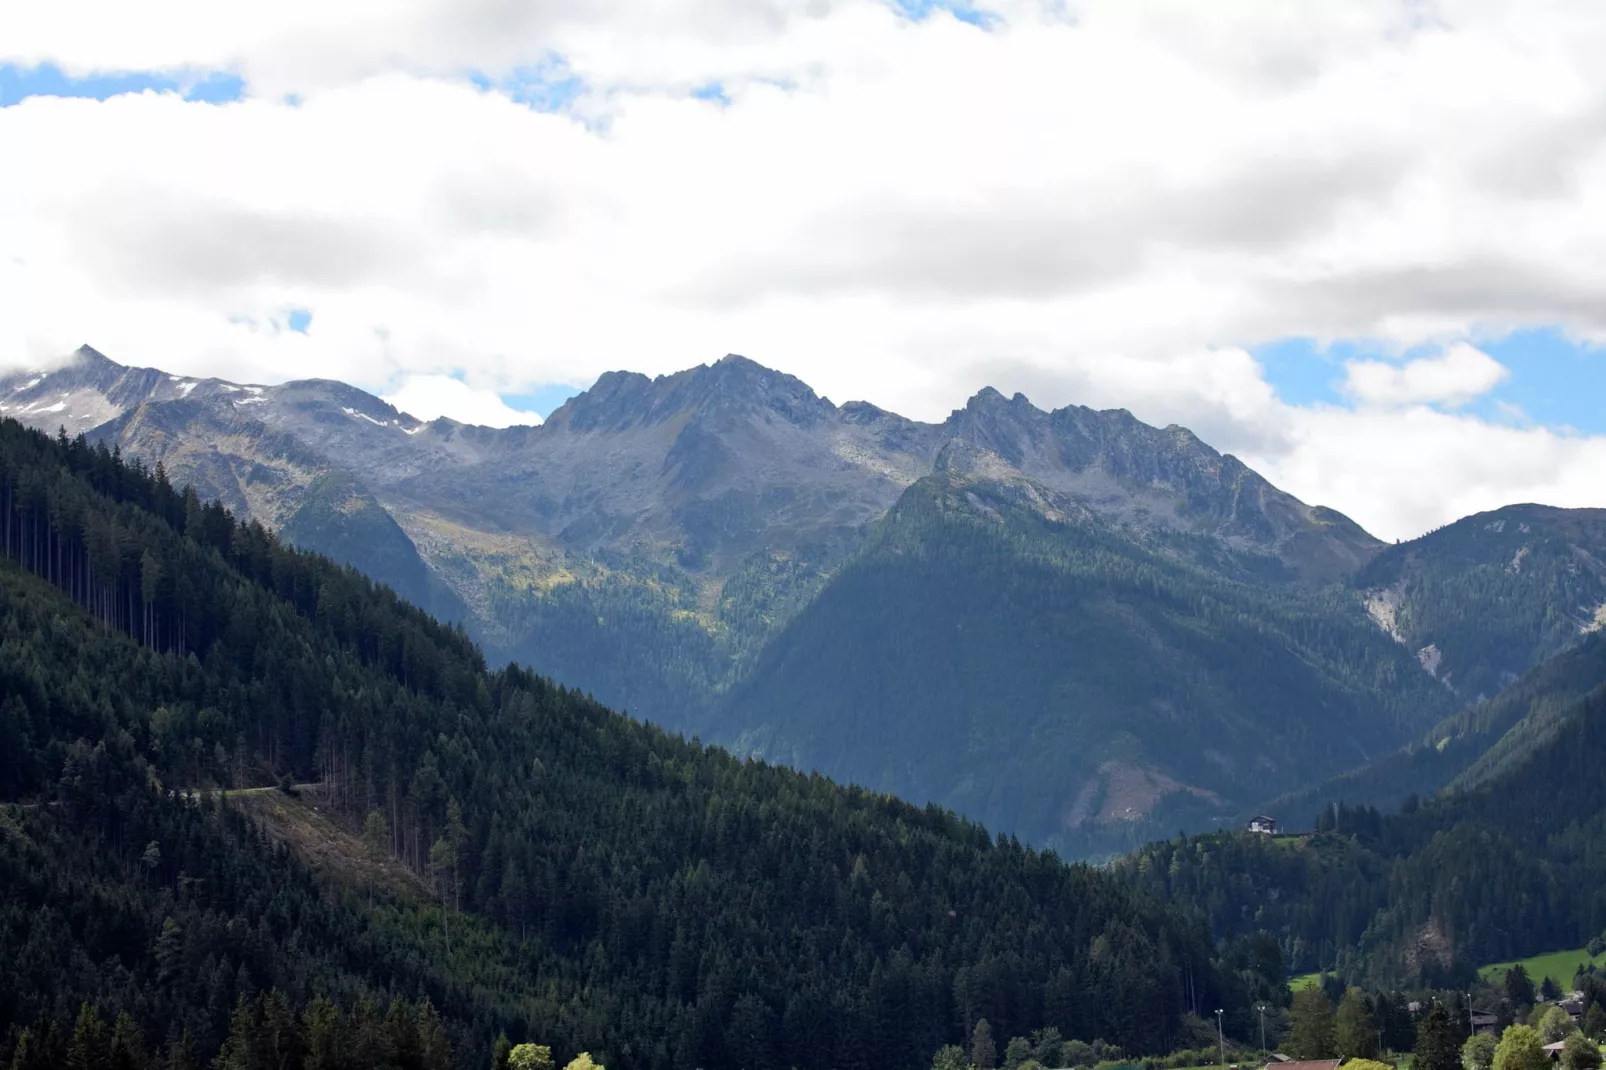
{"x":430,"y":397}
{"x":1400,"y":472}
{"x":1461,"y":374}
{"x":1110,"y":205}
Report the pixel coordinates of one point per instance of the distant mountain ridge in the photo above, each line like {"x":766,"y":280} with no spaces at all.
{"x":656,"y":537}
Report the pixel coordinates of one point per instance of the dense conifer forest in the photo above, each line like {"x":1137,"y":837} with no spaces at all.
{"x":593,"y":883}
{"x":1506,"y":867}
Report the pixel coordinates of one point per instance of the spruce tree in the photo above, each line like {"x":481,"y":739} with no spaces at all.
{"x":1311,"y":1026}
{"x":87,"y":1048}
{"x":1354,"y":1028}
{"x":1436,"y":1047}
{"x":983,"y":1050}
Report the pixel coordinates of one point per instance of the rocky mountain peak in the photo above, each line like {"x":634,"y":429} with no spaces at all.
{"x":733,"y":387}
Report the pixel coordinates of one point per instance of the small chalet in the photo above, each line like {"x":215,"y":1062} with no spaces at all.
{"x":1574,"y":1008}
{"x":1262,"y":823}
{"x":1484,"y":1022}
{"x":1553,"y":1051}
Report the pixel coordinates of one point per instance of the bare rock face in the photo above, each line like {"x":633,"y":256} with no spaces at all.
{"x":703,"y":468}
{"x":1151,"y":480}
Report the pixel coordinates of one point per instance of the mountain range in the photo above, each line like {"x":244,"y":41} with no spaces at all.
{"x":1071,"y":625}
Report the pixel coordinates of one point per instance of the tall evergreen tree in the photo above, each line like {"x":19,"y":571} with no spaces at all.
{"x":1437,"y":1046}
{"x":1311,"y":1028}
{"x":87,"y":1048}
{"x":983,"y":1049}
{"x":1519,"y":988}
{"x":1354,"y":1028}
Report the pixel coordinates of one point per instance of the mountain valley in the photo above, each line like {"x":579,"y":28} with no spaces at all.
{"x":727,"y":554}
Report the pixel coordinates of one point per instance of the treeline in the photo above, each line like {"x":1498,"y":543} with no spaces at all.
{"x":598,"y":882}
{"x":265,"y":1033}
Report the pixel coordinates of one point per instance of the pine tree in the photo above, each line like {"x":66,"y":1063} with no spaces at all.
{"x":983,"y":1051}
{"x":434,"y":1049}
{"x":181,"y":1053}
{"x":87,"y":1048}
{"x":1519,"y":988}
{"x":324,"y":1034}
{"x":1311,"y":1030}
{"x":127,"y":1049}
{"x":1436,"y":1047}
{"x":1354,"y":1028}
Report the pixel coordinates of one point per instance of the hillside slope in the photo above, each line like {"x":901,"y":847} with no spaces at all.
{"x":602,"y":886}
{"x":1022,"y":660}
{"x":1508,"y":863}
{"x":1484,"y":599}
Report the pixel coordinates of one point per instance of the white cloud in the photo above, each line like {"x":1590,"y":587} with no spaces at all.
{"x":1461,"y":374}
{"x":1401,"y":472}
{"x":1099,"y":201}
{"x":430,"y":397}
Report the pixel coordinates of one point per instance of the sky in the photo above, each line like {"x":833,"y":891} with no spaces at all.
{"x":1362,"y":246}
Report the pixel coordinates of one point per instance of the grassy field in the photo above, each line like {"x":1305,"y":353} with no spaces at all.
{"x":1557,"y":965}
{"x":1304,"y":980}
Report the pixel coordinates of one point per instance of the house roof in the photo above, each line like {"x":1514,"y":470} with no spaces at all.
{"x":1560,"y":1044}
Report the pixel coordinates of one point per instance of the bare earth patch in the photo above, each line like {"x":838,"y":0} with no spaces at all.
{"x":327,"y":847}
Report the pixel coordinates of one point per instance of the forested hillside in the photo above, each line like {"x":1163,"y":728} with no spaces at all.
{"x":1025,"y":662}
{"x":1485,"y":598}
{"x":597,"y":884}
{"x":1467,"y":747}
{"x":1508,"y":867}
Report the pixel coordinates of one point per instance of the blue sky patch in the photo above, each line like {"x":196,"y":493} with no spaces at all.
{"x":546,"y":86}
{"x":300,"y":319}
{"x":543,"y":399}
{"x":1554,"y":381}
{"x":713,"y":91}
{"x":919,"y":10}
{"x":47,"y":80}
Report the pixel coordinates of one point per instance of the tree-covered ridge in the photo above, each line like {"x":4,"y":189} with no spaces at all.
{"x":1492,"y":595}
{"x":1468,"y":747}
{"x":1507,"y":868}
{"x":1026,"y":662}
{"x":602,"y":885}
